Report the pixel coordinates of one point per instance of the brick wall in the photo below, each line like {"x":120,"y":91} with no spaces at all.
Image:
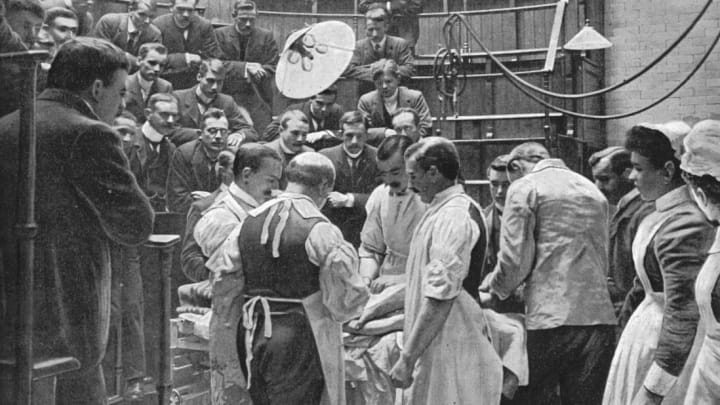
{"x":640,"y":30}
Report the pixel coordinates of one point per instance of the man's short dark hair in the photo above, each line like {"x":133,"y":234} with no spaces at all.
{"x":146,"y":48}
{"x":438,"y":152}
{"x":58,"y":12}
{"x":251,"y":155}
{"x":244,"y":5}
{"x":172,"y":2}
{"x":211,"y":112}
{"x":378,"y":6}
{"x":499,"y":164}
{"x":330,"y":91}
{"x":127,"y":114}
{"x":134,"y":4}
{"x":352,"y":118}
{"x":709,"y":184}
{"x":226,"y":159}
{"x":653,"y":145}
{"x":216,"y":65}
{"x":292,"y":115}
{"x":81,"y":61}
{"x":33,"y":6}
{"x":408,"y":110}
{"x":392,"y":145}
{"x":161,"y":98}
{"x":389,"y":66}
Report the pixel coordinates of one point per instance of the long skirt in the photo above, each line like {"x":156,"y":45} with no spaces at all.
{"x":635,"y":354}
{"x":704,"y":385}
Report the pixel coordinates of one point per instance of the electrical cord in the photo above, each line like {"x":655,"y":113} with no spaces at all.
{"x":449,"y":39}
{"x":527,"y":87}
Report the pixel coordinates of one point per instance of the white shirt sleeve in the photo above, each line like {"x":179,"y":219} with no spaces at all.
{"x":343,"y":292}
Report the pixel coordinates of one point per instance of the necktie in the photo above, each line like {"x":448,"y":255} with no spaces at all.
{"x":243,"y":47}
{"x":378,"y":50}
{"x":353,"y":169}
{"x":132,"y":40}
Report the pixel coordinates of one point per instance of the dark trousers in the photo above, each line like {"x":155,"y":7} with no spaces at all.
{"x":572,"y":361}
{"x":286,"y":368}
{"x":127,"y":309}
{"x":81,"y":388}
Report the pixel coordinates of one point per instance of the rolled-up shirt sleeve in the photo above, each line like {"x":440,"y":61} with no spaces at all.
{"x":372,"y":239}
{"x":680,"y":248}
{"x":517,"y":241}
{"x":226,"y":259}
{"x":453,"y":238}
{"x":343,"y":292}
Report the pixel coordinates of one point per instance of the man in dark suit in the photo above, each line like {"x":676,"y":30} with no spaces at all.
{"x":189,"y":38}
{"x":206,"y":94}
{"x":500,"y":178}
{"x":24,"y":19}
{"x":404,"y":22}
{"x":377,"y":48}
{"x":193,"y":172}
{"x":356,"y":175}
{"x":252,"y":54}
{"x":323,"y":118}
{"x":293,"y":134}
{"x":86,"y":197}
{"x":141,"y":85}
{"x":379,"y":105}
{"x":150,"y":151}
{"x":130,"y":30}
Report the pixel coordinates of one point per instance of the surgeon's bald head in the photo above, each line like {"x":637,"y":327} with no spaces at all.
{"x":310,"y":169}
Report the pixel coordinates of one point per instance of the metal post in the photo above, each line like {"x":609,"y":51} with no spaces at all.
{"x":25,"y":227}
{"x":165,"y":244}
{"x":356,"y":23}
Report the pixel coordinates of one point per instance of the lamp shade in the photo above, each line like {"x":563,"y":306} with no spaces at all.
{"x":587,"y":40}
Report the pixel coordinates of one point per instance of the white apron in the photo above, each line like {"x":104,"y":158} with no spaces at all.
{"x":635,"y":351}
{"x":704,"y":385}
{"x":227,"y":381}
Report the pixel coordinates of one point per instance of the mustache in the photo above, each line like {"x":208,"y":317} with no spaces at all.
{"x":394,"y":184}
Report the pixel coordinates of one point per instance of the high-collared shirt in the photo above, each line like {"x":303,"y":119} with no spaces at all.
{"x":287,"y":150}
{"x":352,"y":155}
{"x":221,"y":218}
{"x":151,"y":133}
{"x":379,"y":46}
{"x":203,"y":101}
{"x":554,"y":236}
{"x":145,"y":86}
{"x":391,"y":103}
{"x":388,"y":229}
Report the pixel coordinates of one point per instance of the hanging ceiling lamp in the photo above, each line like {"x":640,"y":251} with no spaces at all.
{"x":588,"y":39}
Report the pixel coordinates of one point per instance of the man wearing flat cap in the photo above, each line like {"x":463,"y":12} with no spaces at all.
{"x":252,"y":54}
{"x":554,"y":239}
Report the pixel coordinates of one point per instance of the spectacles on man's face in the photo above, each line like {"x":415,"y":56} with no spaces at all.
{"x":216,"y":130}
